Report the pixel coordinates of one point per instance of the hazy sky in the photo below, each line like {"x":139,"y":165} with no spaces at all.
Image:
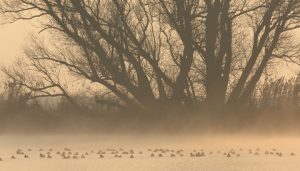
{"x":14,"y":36}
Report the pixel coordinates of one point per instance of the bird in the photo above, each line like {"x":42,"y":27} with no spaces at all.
{"x":42,"y":156}
{"x":26,"y":156}
{"x":13,"y":157}
{"x":19,"y":151}
{"x":160,"y":155}
{"x":292,"y":154}
{"x":172,"y":155}
{"x":131,"y":156}
{"x":228,"y":155}
{"x":118,"y":156}
{"x":152,"y":155}
{"x":101,"y":156}
{"x":1,"y":159}
{"x":65,"y":157}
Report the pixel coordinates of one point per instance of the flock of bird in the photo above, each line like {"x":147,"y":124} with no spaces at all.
{"x":67,"y":153}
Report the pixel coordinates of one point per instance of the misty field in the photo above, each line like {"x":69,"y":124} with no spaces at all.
{"x":159,"y":153}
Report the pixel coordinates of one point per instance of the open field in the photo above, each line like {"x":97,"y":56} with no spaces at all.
{"x":160,"y":153}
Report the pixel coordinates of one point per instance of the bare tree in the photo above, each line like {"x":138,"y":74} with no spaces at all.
{"x":164,"y":52}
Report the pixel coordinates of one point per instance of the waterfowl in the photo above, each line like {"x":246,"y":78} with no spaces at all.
{"x":19,"y":151}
